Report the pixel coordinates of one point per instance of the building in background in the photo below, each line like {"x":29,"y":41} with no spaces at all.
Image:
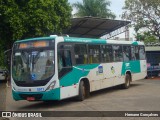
{"x":153,"y":59}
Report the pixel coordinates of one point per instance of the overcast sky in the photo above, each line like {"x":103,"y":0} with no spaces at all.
{"x":116,"y":8}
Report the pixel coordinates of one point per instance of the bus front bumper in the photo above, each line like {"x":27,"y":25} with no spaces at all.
{"x":37,"y":96}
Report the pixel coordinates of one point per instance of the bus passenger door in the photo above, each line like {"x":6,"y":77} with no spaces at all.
{"x":66,"y":72}
{"x":64,"y":62}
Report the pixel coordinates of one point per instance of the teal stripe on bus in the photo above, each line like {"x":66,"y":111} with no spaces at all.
{"x":38,"y":38}
{"x":133,"y":66}
{"x":77,"y":72}
{"x":85,"y":40}
{"x":135,"y":43}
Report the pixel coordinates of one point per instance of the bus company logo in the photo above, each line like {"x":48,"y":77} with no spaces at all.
{"x":127,"y":64}
{"x":100,"y":69}
{"x":112,"y":69}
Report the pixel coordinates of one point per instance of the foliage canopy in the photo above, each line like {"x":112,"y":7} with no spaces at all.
{"x":94,"y":8}
{"x":144,"y":14}
{"x":31,"y":18}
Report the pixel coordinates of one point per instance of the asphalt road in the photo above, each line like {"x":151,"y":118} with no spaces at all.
{"x":143,"y":95}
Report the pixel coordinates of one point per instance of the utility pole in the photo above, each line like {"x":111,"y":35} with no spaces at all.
{"x":127,"y":33}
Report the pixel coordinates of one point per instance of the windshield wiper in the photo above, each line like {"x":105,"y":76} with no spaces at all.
{"x":35,"y":59}
{"x":25,"y":56}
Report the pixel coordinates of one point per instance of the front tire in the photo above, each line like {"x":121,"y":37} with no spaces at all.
{"x":126,"y":85}
{"x":82,"y":91}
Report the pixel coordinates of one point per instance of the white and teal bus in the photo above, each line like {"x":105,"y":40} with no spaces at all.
{"x":57,"y":67}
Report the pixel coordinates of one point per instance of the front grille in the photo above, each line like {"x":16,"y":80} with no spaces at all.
{"x":36,"y":96}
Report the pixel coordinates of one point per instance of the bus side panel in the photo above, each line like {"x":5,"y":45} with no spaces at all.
{"x":69,"y":83}
{"x":69,"y":91}
{"x":95,"y":77}
{"x":137,"y":69}
{"x":116,"y":71}
{"x":105,"y":75}
{"x":143,"y":71}
{"x":111,"y":73}
{"x":143,"y":68}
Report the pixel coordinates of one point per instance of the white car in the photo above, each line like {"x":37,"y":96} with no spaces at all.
{"x":3,"y":74}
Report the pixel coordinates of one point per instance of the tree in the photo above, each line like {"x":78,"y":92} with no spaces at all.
{"x":94,"y":8}
{"x":31,"y":18}
{"x":147,"y":37}
{"x":144,"y":14}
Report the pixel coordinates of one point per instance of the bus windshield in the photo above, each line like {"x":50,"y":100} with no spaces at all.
{"x":33,"y":66}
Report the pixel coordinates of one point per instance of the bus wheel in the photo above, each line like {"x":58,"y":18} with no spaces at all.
{"x":82,"y":91}
{"x":126,"y":85}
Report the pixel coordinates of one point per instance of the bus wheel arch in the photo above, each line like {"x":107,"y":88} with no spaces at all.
{"x":128,"y":80}
{"x":84,"y":89}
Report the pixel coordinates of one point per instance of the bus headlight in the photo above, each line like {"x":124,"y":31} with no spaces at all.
{"x":51,"y":86}
{"x":13,"y":88}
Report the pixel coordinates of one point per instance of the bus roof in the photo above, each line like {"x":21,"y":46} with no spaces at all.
{"x":100,"y":41}
{"x":37,"y":38}
{"x":84,"y":40}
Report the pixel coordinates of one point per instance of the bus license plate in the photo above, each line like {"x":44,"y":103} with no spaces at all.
{"x":30,"y":98}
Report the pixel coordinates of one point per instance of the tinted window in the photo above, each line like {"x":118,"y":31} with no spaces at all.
{"x":135,"y":52}
{"x":80,"y":54}
{"x":94,"y":51}
{"x":65,"y":46}
{"x":117,"y":53}
{"x":133,"y":56}
{"x":64,"y":59}
{"x":141,"y":53}
{"x":106,"y":53}
{"x":126,"y":53}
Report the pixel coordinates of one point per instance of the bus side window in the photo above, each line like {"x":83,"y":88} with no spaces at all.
{"x":64,"y":59}
{"x":133,"y":56}
{"x":126,"y":53}
{"x":94,"y":53}
{"x":137,"y":52}
{"x":67,"y":58}
{"x":80,"y":54}
{"x":106,"y":52}
{"x":64,"y":62}
{"x":142,"y":53}
{"x":60,"y":61}
{"x":117,"y":53}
